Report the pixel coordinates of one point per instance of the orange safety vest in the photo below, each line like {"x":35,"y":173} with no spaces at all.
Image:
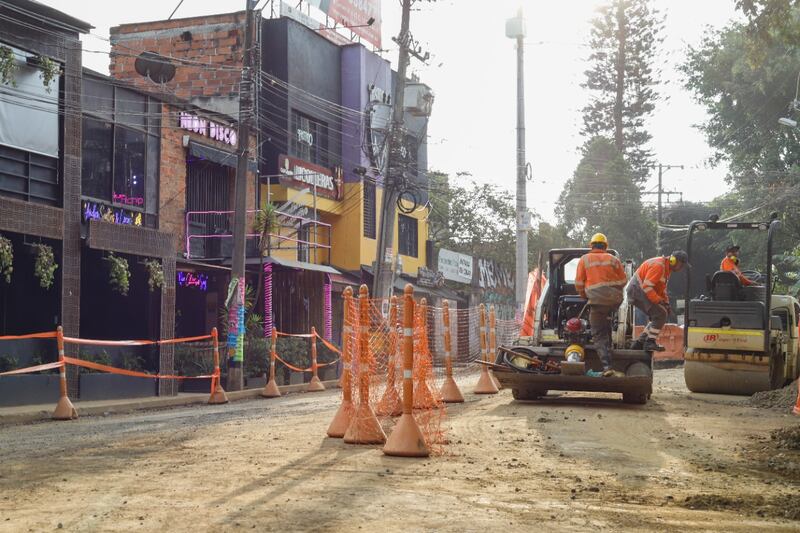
{"x":652,"y":276}
{"x":600,"y":278}
{"x":729,"y":266}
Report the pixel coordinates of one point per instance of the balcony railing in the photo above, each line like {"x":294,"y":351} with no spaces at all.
{"x":209,"y":235}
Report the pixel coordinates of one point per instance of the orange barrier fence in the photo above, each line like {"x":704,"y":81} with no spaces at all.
{"x":66,"y":411}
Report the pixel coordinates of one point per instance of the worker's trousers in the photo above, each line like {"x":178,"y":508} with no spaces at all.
{"x":656,"y":313}
{"x":600,"y":321}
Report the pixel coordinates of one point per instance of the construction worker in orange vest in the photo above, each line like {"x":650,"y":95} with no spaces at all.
{"x":601,"y":279}
{"x":647,"y":290}
{"x":730,"y":263}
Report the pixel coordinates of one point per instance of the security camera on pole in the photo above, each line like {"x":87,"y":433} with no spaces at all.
{"x":515,"y":29}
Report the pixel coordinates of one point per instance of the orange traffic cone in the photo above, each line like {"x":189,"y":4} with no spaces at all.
{"x":364,"y":427}
{"x":390,"y":403}
{"x":344,"y":416}
{"x":64,"y":409}
{"x":485,"y":384}
{"x":218,"y":395}
{"x":315,"y":385}
{"x":271,"y":389}
{"x":449,"y":392}
{"x":406,"y":439}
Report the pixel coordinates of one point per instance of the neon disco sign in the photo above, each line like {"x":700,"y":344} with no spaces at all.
{"x":192,"y":280}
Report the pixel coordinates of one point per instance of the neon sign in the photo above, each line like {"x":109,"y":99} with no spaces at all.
{"x":192,"y":280}
{"x":96,"y":211}
{"x":128,"y":200}
{"x":208,"y":128}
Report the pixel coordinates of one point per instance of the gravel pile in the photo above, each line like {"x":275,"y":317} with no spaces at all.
{"x":784,"y":398}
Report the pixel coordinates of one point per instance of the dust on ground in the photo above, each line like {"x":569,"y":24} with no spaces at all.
{"x":571,"y":462}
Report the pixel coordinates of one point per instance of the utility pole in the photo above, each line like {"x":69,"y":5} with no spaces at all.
{"x":382,"y":279}
{"x":661,"y":192}
{"x":236,"y":290}
{"x":515,"y":29}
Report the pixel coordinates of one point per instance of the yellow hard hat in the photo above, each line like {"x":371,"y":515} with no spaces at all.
{"x":598,"y":238}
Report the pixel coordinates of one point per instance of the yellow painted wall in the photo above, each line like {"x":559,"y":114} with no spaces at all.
{"x":350,"y":249}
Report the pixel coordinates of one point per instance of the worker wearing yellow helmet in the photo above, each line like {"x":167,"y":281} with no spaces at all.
{"x":601,"y":279}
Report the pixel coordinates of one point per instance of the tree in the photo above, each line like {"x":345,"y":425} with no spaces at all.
{"x":746,"y":76}
{"x":624,"y":40}
{"x":476,"y":219}
{"x":602,"y":197}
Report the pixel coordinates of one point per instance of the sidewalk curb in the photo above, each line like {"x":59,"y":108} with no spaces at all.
{"x":39,"y":413}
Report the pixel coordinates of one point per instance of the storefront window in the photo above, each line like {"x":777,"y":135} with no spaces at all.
{"x":129,"y":165}
{"x":121,"y":143}
{"x":96,"y":159}
{"x":407,"y":233}
{"x":309,"y":139}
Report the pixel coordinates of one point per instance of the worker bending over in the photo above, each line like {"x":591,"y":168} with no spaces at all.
{"x":730,"y":263}
{"x":647,"y":290}
{"x":601,"y":279}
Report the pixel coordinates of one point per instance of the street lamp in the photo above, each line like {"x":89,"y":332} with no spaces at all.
{"x":515,"y":29}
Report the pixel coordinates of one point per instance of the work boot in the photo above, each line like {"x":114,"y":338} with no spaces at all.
{"x":608,"y":372}
{"x":650,"y":345}
{"x":639,"y":343}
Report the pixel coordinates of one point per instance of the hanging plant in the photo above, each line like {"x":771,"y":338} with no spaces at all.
{"x":119,"y":274}
{"x":6,"y":259}
{"x":155,"y":274}
{"x":50,"y":71}
{"x":8,"y":66}
{"x":45,"y":266}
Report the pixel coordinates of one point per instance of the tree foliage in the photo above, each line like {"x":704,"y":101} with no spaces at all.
{"x":746,"y":76}
{"x":602,"y":197}
{"x":622,"y":78}
{"x":479,"y":219}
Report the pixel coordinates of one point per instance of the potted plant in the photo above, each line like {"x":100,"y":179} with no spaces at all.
{"x":119,"y":274}
{"x":6,"y":259}
{"x":295,"y":351}
{"x":155,"y":274}
{"x":98,"y":385}
{"x":256,"y":360}
{"x":28,"y":389}
{"x":50,"y":70}
{"x":194,"y":359}
{"x":45,"y":266}
{"x":326,"y":355}
{"x":8,"y":66}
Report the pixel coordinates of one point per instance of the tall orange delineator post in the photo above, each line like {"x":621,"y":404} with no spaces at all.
{"x":485,"y":382}
{"x":271,"y":389}
{"x":64,"y":408}
{"x":217,"y":393}
{"x":449,"y":391}
{"x":364,"y":427}
{"x":341,"y":421}
{"x":315,"y":385}
{"x":390,"y":403}
{"x":423,"y":397}
{"x":406,"y":439}
{"x":491,"y":354}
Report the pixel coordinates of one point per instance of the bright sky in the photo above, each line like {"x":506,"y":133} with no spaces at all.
{"x":473,"y":73}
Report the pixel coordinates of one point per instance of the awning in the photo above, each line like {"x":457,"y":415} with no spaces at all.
{"x":288,"y":263}
{"x":346,"y":278}
{"x":218,"y":156}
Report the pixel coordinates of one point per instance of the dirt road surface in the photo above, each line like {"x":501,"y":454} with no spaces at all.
{"x":573,"y":463}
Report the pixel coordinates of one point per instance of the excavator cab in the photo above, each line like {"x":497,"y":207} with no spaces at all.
{"x":738,"y":340}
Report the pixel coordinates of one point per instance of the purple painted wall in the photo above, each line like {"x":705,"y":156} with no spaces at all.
{"x":360,"y":69}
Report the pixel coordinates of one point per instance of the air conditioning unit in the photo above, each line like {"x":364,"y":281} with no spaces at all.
{"x":418,"y":99}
